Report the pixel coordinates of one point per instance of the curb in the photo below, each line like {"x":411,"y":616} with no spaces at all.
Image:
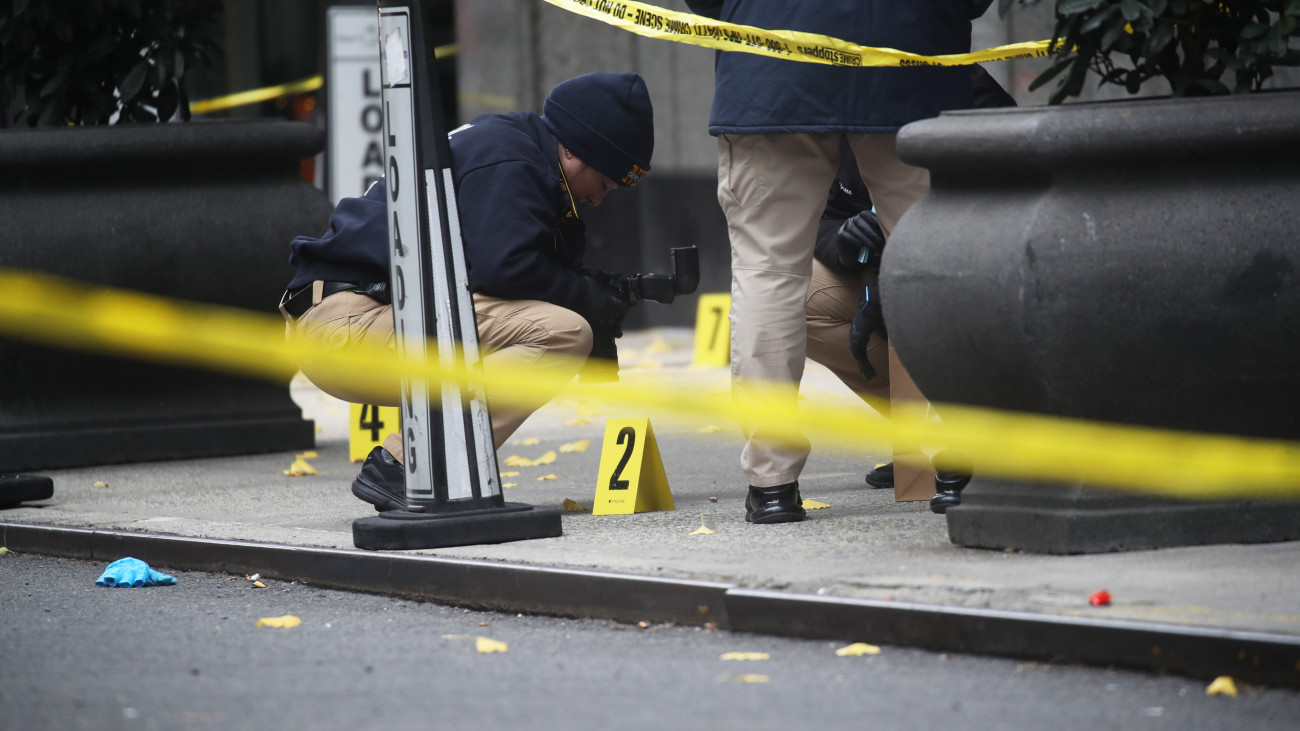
{"x":1203,"y":652}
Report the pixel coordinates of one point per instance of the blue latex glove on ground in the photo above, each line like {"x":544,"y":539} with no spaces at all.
{"x":132,"y":572}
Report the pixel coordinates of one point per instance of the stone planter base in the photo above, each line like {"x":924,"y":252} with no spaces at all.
{"x":202,"y":212}
{"x":1132,"y":262}
{"x":1065,"y":519}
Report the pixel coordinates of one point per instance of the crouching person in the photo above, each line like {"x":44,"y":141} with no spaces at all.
{"x":519,"y":178}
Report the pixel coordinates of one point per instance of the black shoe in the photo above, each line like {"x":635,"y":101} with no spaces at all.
{"x":882,"y":476}
{"x":947,"y":490}
{"x":780,"y":504}
{"x":382,"y":481}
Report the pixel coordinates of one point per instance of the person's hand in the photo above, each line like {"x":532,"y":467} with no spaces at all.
{"x":859,"y":242}
{"x":610,"y":302}
{"x":869,"y":319}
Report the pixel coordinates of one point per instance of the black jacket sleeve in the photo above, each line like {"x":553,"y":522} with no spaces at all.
{"x":509,"y":222}
{"x":847,"y":198}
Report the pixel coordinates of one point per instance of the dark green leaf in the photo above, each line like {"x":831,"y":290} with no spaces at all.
{"x":134,"y":80}
{"x":1161,"y":36}
{"x":1132,"y":9}
{"x":20,"y":6}
{"x":1254,"y":30}
{"x":1112,"y":34}
{"x":167,"y":101}
{"x":1212,"y":86}
{"x":1094,"y":22}
{"x":100,"y":48}
{"x":1050,"y":73}
{"x":1070,"y":7}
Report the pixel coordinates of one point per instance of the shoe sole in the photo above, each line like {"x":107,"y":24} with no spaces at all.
{"x":375,"y":495}
{"x":776,"y":518}
{"x":879,"y":484}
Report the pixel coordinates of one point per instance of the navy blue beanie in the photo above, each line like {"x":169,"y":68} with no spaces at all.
{"x":607,"y":121}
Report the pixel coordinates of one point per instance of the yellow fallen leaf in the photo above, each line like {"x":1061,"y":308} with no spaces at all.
{"x":4,"y":550}
{"x":99,"y":485}
{"x":299,"y":468}
{"x":307,"y":455}
{"x":815,"y":505}
{"x":509,"y":474}
{"x":745,"y":678}
{"x":284,"y":622}
{"x":709,"y":429}
{"x":547,"y":458}
{"x":572,"y":506}
{"x":1222,"y":685}
{"x":515,"y":460}
{"x":511,"y":484}
{"x":486,"y":646}
{"x":659,"y":346}
{"x":530,"y":441}
{"x":857,"y":649}
{"x":578,"y":421}
{"x":578,"y":446}
{"x":547,"y":477}
{"x":703,"y":530}
{"x":259,"y":585}
{"x":745,"y":656}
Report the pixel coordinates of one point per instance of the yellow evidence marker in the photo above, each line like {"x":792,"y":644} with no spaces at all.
{"x":631,"y":478}
{"x":368,"y":425}
{"x":713,"y":330}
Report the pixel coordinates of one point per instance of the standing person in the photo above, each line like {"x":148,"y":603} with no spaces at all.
{"x":846,"y":331}
{"x":518,"y":178}
{"x":779,"y":126}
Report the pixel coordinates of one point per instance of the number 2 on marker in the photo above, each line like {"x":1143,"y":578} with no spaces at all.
{"x":630,"y":434}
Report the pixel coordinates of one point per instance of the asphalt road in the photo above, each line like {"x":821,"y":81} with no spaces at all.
{"x":76,"y":655}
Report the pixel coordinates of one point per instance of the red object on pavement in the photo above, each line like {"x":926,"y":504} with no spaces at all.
{"x":1099,"y":598}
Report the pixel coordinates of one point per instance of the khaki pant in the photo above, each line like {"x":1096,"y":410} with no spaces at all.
{"x":831,"y":304}
{"x":513,"y":334}
{"x":772,"y":189}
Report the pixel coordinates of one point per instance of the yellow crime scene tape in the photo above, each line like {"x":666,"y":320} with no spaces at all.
{"x":294,"y":88}
{"x":75,"y":315}
{"x":654,"y":22}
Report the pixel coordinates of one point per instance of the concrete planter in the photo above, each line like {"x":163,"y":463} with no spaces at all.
{"x":198,"y":211}
{"x":1132,"y":262}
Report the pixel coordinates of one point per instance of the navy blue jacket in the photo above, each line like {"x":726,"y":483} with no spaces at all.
{"x":522,"y":235}
{"x":759,"y":95}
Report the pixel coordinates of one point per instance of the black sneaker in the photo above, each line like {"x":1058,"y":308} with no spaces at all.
{"x":882,"y":476}
{"x":382,"y":481}
{"x":780,"y":504}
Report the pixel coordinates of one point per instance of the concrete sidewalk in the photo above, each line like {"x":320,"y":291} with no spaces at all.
{"x":865,"y":550}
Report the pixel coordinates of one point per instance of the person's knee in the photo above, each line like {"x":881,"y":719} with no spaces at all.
{"x":578,"y":336}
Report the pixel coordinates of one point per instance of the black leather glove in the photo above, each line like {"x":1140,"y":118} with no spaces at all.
{"x":869,"y":319}
{"x":859,"y":242}
{"x":610,"y":302}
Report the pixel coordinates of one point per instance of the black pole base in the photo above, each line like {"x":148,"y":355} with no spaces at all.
{"x":16,"y":489}
{"x":1071,"y":519}
{"x":399,"y":530}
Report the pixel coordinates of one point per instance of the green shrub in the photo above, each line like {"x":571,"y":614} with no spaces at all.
{"x":1198,"y":46}
{"x":102,"y":61}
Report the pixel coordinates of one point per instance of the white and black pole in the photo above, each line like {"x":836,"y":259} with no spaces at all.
{"x":453,"y":488}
